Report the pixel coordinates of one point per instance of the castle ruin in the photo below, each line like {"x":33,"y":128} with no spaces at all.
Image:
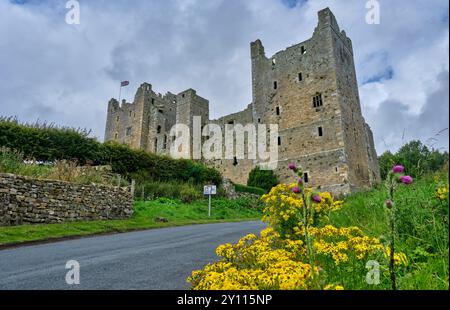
{"x":309,"y":89}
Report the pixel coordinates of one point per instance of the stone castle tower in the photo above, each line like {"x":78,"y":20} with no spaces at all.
{"x":309,"y":89}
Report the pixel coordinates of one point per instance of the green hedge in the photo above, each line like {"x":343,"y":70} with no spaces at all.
{"x":48,"y":143}
{"x":249,"y":189}
{"x":265,"y":179}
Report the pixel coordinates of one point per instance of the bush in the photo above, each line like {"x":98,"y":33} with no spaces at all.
{"x":265,"y":179}
{"x":248,"y":189}
{"x":189,"y":194}
{"x":152,"y":190}
{"x":48,"y":143}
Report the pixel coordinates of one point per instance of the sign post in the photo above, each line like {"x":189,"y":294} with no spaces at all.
{"x":209,"y":190}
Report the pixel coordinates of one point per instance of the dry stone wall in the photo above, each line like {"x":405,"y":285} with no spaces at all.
{"x":27,"y":200}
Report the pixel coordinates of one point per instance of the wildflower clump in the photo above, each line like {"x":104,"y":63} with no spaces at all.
{"x":299,"y":250}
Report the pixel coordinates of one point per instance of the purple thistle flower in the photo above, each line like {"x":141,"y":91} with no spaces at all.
{"x":292,"y":166}
{"x":300,"y":181}
{"x":296,"y":190}
{"x":317,"y":199}
{"x":406,"y":179}
{"x":398,"y":169}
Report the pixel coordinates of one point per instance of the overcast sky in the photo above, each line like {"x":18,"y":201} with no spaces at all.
{"x":66,"y":74}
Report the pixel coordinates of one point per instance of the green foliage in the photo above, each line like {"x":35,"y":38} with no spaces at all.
{"x":13,"y":162}
{"x":265,"y":179}
{"x":422,"y":228}
{"x":189,"y":194}
{"x":415,"y":157}
{"x":48,"y":143}
{"x":249,"y":189}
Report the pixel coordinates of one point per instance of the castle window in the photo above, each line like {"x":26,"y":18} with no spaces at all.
{"x":116,"y":136}
{"x":153,"y":100}
{"x":117,"y":118}
{"x":235,"y":162}
{"x":158,"y":129}
{"x":279,"y":141}
{"x":156,"y":145}
{"x":165,"y":142}
{"x":303,"y":50}
{"x":320,"y":131}
{"x":129,"y":129}
{"x":161,"y":111}
{"x":259,"y":120}
{"x":306,"y":177}
{"x":336,"y":169}
{"x":275,"y":85}
{"x":131,"y":113}
{"x":278,"y":111}
{"x":231,"y":123}
{"x":317,"y":101}
{"x":183,"y":95}
{"x":300,"y":77}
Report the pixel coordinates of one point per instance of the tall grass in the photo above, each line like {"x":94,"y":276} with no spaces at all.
{"x":422,"y":228}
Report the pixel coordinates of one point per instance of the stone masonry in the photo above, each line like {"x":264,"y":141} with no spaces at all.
{"x":27,"y":200}
{"x":309,"y":89}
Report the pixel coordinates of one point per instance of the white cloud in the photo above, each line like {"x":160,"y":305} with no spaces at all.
{"x":66,"y":74}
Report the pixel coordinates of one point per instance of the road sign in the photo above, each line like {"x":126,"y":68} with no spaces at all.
{"x":209,"y":190}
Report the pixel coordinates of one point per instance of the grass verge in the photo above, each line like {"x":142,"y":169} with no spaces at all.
{"x":144,"y":217}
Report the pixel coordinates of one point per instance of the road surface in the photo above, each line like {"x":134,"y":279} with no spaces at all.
{"x":152,"y":259}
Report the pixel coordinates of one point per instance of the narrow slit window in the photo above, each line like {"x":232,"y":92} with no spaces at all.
{"x":153,"y":100}
{"x":300,"y":77}
{"x":320,"y":131}
{"x":156,"y":145}
{"x":303,"y":50}
{"x":306,"y":177}
{"x":278,"y":111}
{"x":275,"y":85}
{"x":158,"y":129}
{"x":279,"y":141}
{"x":235,"y":162}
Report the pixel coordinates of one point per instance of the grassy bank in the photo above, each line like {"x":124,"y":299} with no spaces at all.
{"x":175,"y":212}
{"x":422,"y":229}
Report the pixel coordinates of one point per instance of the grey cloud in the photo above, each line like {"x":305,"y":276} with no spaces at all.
{"x":393,"y":123}
{"x":66,"y":74}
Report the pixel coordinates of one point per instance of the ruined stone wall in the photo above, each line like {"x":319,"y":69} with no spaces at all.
{"x":374,"y":167}
{"x":234,"y":168}
{"x":26,"y":200}
{"x":190,"y":105}
{"x":284,"y":87}
{"x":143,"y":124}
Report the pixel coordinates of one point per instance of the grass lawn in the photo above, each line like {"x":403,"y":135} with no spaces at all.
{"x":176,"y":212}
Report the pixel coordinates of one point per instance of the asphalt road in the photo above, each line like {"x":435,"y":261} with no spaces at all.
{"x":152,"y":259}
